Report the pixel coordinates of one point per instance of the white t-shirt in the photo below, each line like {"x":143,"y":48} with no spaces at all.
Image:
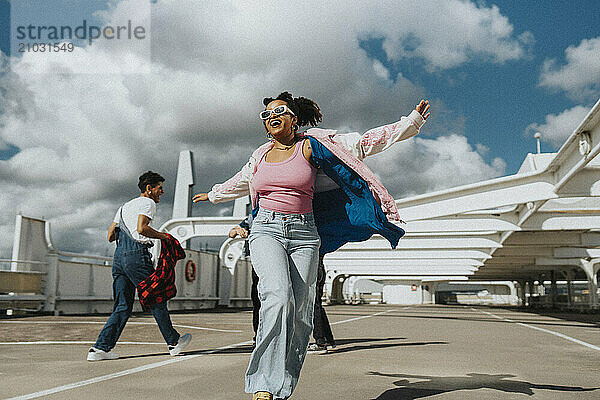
{"x":131,"y":210}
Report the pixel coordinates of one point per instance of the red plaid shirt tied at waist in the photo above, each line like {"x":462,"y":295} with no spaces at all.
{"x":160,"y":285}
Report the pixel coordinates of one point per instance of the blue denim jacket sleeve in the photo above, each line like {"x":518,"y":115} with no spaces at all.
{"x":348,"y":214}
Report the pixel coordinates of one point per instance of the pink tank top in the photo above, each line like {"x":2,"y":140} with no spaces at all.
{"x":287,"y":186}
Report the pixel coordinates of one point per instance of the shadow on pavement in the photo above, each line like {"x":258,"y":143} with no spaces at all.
{"x":342,"y":348}
{"x":232,"y":350}
{"x":164,"y":353}
{"x":341,"y":342}
{"x":433,"y":385}
{"x":592,"y":318}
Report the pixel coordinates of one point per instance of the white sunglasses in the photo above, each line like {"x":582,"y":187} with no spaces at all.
{"x":279,"y":110}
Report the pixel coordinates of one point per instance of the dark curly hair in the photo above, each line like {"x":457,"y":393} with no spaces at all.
{"x":149,"y":178}
{"x":307,"y":111}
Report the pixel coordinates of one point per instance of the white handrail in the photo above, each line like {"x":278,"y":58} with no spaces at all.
{"x":22,"y":261}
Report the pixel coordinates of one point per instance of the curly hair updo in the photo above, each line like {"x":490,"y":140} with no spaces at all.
{"x":307,"y":111}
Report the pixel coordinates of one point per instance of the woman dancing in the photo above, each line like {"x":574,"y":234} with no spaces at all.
{"x":289,"y":178}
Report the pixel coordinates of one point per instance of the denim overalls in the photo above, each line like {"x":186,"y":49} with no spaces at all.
{"x":132,"y":263}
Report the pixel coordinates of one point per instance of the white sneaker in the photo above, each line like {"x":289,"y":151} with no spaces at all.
{"x":97,"y":355}
{"x":315,"y":348}
{"x":184,"y":341}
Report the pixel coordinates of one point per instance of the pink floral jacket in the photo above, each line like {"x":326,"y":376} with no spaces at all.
{"x":351,"y":148}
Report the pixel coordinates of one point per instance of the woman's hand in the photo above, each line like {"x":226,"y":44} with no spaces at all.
{"x":200,"y":197}
{"x":423,"y":108}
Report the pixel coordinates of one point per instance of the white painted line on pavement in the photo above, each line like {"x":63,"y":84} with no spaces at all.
{"x":122,"y":373}
{"x":128,"y":323}
{"x":591,"y":346}
{"x":364,"y":316}
{"x":72,"y":342}
{"x":200,"y":327}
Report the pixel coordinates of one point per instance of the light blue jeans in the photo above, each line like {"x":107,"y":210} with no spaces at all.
{"x":284,"y":249}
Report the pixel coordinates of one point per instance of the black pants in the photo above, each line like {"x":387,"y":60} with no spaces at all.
{"x":321,"y":330}
{"x":255,"y":302}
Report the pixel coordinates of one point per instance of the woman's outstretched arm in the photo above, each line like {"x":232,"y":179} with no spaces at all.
{"x":381,"y":138}
{"x":234,"y":187}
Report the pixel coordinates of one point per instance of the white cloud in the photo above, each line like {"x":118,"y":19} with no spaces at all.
{"x":248,"y":36}
{"x":380,"y":70}
{"x":423,"y":165}
{"x":558,"y":127}
{"x":482,"y":149}
{"x":579,"y":77}
{"x":449,"y":33}
{"x":85,"y":138}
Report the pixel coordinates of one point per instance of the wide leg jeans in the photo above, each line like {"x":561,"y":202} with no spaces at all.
{"x":284,"y":249}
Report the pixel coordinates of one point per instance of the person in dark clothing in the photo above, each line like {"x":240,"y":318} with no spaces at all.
{"x":243,"y":230}
{"x":321,"y":328}
{"x":255,"y":304}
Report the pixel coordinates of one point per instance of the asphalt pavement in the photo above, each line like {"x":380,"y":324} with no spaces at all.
{"x":384,"y":352}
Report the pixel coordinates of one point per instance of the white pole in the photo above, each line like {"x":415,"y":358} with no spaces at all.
{"x":537,"y":136}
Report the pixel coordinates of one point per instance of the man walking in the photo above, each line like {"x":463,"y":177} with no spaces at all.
{"x":132,"y":264}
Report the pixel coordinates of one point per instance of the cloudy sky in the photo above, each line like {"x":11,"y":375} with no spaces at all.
{"x":77,"y":129}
